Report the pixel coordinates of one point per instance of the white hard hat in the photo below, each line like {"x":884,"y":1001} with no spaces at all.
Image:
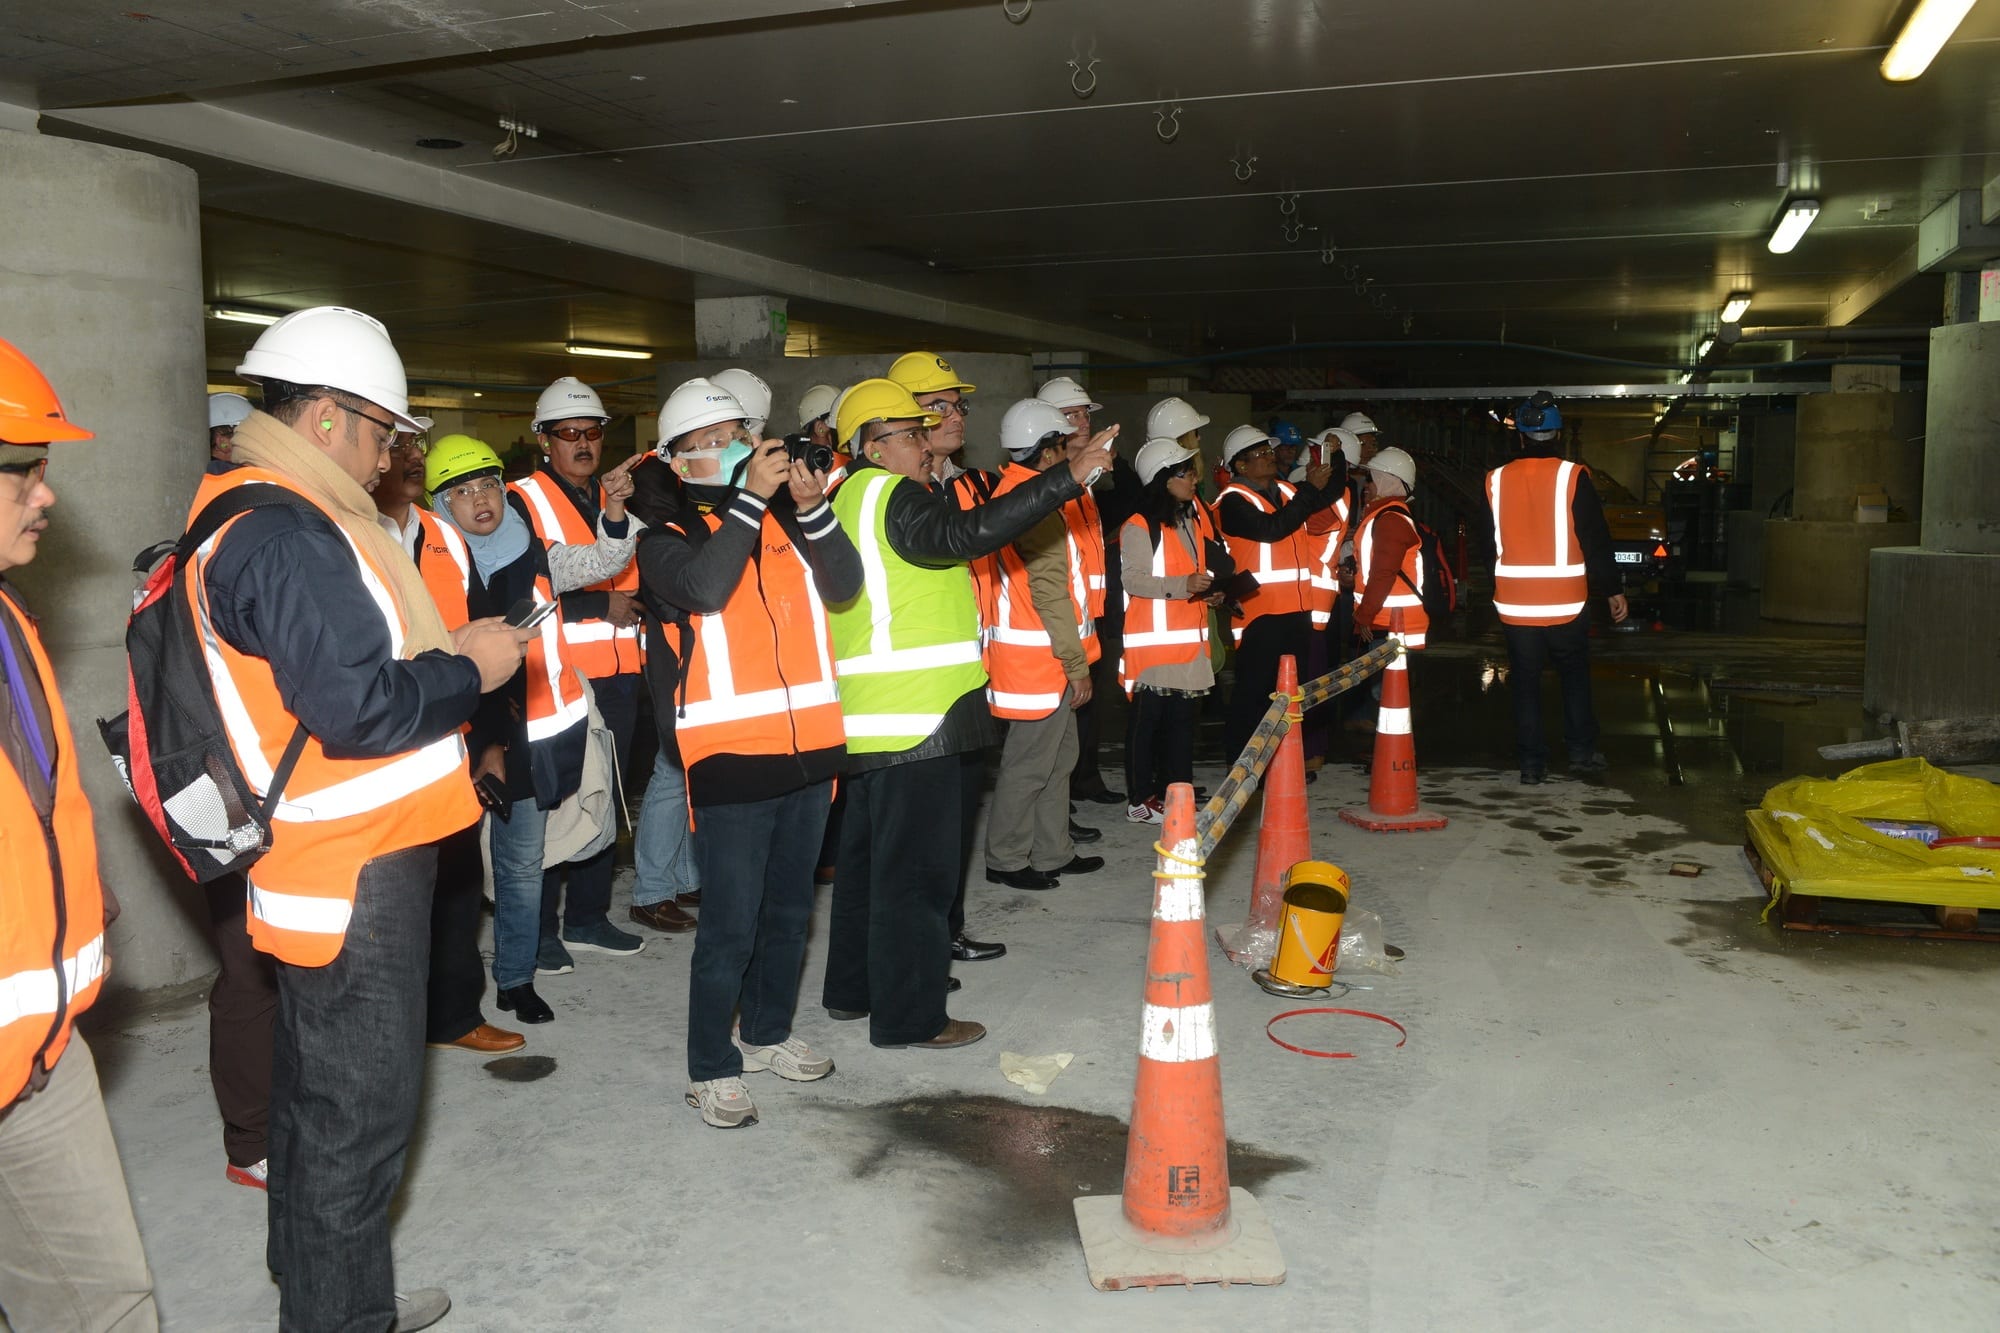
{"x":424,"y":424}
{"x":1172,"y":418}
{"x":1062,"y":391}
{"x":1347,"y":440}
{"x":336,"y":347}
{"x":751,"y":391}
{"x":817,"y":403}
{"x":696,"y":404}
{"x":1156,"y":456}
{"x":568,"y":397}
{"x":228,"y":409}
{"x":1359,"y":423}
{"x":1397,"y":464}
{"x":1026,"y":426}
{"x":1243,"y":437}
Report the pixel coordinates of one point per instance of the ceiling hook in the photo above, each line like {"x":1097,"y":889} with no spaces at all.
{"x":1350,"y":271}
{"x":1409,"y":322}
{"x":1079,"y":73}
{"x":1288,"y":204}
{"x":1326,"y":253}
{"x":507,"y":146}
{"x":1016,"y":15}
{"x":1293,"y":229}
{"x":1245,"y":169}
{"x":1168,"y":123}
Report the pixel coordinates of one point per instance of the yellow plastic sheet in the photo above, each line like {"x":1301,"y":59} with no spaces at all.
{"x":1809,"y":833}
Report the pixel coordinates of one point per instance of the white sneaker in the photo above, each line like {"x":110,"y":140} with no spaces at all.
{"x":723,"y":1102}
{"x":420,"y":1308}
{"x":790,"y":1058}
{"x":1147,"y":812}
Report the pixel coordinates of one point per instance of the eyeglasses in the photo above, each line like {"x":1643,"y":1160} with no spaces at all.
{"x":945,"y":407}
{"x":917,"y":435}
{"x":571,"y":434}
{"x":33,"y":472}
{"x":405,"y":441}
{"x":474,"y":490}
{"x":388,"y":427}
{"x":1259,"y":451}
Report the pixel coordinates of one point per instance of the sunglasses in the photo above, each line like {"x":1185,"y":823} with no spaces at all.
{"x":571,"y":434}
{"x":944,"y":407}
{"x":34,"y":472}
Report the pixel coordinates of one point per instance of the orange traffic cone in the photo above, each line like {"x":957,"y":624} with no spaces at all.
{"x":1178,"y":1219}
{"x":1392,"y":778}
{"x":1284,"y":833}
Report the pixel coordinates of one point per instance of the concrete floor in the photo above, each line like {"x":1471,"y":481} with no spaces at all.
{"x":1624,"y":1103}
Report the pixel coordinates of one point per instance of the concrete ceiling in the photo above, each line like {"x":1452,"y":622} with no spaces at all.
{"x":1564,"y":173}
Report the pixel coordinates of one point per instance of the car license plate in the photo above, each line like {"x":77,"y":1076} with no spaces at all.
{"x":1629,"y":557}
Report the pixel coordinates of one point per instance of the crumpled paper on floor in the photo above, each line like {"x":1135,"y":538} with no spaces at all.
{"x":1034,"y":1073}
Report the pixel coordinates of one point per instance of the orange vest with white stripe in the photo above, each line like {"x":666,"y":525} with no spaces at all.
{"x":1326,"y":562}
{"x":1283,"y":568}
{"x":759,"y":678}
{"x":446,"y":566}
{"x":1025,"y":678}
{"x":51,"y":905}
{"x":1161,"y":631}
{"x":1086,"y":550}
{"x":1538,"y":571}
{"x":597,"y":646}
{"x":336,"y":814}
{"x":1403,"y":609}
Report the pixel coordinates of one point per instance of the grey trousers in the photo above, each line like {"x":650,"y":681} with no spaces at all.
{"x":69,"y":1250}
{"x":1028,"y":826}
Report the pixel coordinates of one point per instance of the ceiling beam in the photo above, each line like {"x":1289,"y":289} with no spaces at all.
{"x":1868,"y":295}
{"x":213,"y":132}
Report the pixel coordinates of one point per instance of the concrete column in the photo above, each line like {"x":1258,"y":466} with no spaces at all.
{"x":1932,"y":652}
{"x":1816,"y":563}
{"x":100,"y":282}
{"x":740,"y":326}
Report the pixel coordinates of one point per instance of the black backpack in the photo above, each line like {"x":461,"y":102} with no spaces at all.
{"x":1440,"y":591}
{"x":171,"y":745}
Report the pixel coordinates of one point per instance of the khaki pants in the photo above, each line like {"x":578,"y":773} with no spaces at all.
{"x":1028,"y":826}
{"x":69,"y":1249}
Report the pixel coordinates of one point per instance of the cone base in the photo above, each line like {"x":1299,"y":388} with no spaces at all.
{"x":1288,"y":990}
{"x":1416,"y":822}
{"x":1120,"y":1256}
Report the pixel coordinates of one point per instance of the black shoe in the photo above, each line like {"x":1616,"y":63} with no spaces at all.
{"x":1588,"y":763}
{"x":525,"y":1005}
{"x":950,"y":984}
{"x":1083,"y":833}
{"x":964,"y":950}
{"x":1099,"y":796}
{"x":1079,"y":865}
{"x":1532,"y":777}
{"x":1023,"y":878}
{"x":846,"y":1015}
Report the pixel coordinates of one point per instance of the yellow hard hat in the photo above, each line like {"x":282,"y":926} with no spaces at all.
{"x":456,"y":457}
{"x":877,"y":400}
{"x":926,"y":372}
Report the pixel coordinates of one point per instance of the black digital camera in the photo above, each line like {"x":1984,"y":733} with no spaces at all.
{"x":816,"y":457}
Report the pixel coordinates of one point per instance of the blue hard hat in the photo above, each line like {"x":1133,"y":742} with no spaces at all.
{"x":1538,"y":417}
{"x":1284,"y":432}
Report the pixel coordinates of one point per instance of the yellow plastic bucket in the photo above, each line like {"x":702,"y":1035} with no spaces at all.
{"x":1309,"y":927}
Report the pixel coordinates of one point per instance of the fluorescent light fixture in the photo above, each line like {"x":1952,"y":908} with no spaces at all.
{"x":1705,"y":346}
{"x":1928,"y":28}
{"x":1799,"y":215}
{"x":616,"y":353}
{"x":1737,"y":306}
{"x":242,"y":314}
{"x":1687,"y":376}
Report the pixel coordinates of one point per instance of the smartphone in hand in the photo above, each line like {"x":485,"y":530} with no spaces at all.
{"x":528,"y":613}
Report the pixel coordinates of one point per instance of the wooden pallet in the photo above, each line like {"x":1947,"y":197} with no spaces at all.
{"x":1867,"y":916}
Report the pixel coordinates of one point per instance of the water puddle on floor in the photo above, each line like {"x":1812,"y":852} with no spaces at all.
{"x":521,"y":1068}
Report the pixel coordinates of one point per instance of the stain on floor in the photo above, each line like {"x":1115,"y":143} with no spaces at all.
{"x":521,"y":1068}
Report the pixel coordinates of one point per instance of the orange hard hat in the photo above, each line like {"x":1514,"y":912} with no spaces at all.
{"x":29,"y":411}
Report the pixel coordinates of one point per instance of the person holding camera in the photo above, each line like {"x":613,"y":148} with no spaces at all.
{"x":1167,"y":557}
{"x":740,"y":572}
{"x":528,"y":737}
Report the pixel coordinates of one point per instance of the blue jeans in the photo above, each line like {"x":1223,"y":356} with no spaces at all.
{"x":517,"y":892}
{"x":757,"y":862}
{"x":663,"y":849}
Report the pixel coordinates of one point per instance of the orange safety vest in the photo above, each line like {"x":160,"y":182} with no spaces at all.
{"x":597,"y":646}
{"x":1025,"y":677}
{"x":1538,"y":570}
{"x":1086,"y":550}
{"x":970,"y":489}
{"x":759,"y":677}
{"x":1406,"y":593}
{"x":1326,"y":561}
{"x":51,"y":905}
{"x":1163,"y":631}
{"x":446,"y":566}
{"x":336,"y":815}
{"x":1283,"y":568}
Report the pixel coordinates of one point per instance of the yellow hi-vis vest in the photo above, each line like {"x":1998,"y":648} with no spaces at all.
{"x":907,"y":647}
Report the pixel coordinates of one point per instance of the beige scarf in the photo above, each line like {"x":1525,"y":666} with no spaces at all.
{"x":266,"y":442}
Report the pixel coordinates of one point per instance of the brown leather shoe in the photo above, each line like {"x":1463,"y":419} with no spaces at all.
{"x":664,"y":916}
{"x":692,"y":898}
{"x":957,"y":1032}
{"x":484,"y":1040}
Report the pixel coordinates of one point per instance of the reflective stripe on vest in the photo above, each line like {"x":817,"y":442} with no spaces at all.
{"x":1326,"y":565}
{"x":1027,"y":679}
{"x":1401,"y":598}
{"x":446,"y":566}
{"x":34,"y":992}
{"x":1539,"y":577}
{"x":601,"y":648}
{"x":907,"y":648}
{"x":556,"y":701}
{"x":1163,"y":631}
{"x":1283,"y":568}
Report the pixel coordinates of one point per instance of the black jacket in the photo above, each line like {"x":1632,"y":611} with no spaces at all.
{"x":1239,"y":518}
